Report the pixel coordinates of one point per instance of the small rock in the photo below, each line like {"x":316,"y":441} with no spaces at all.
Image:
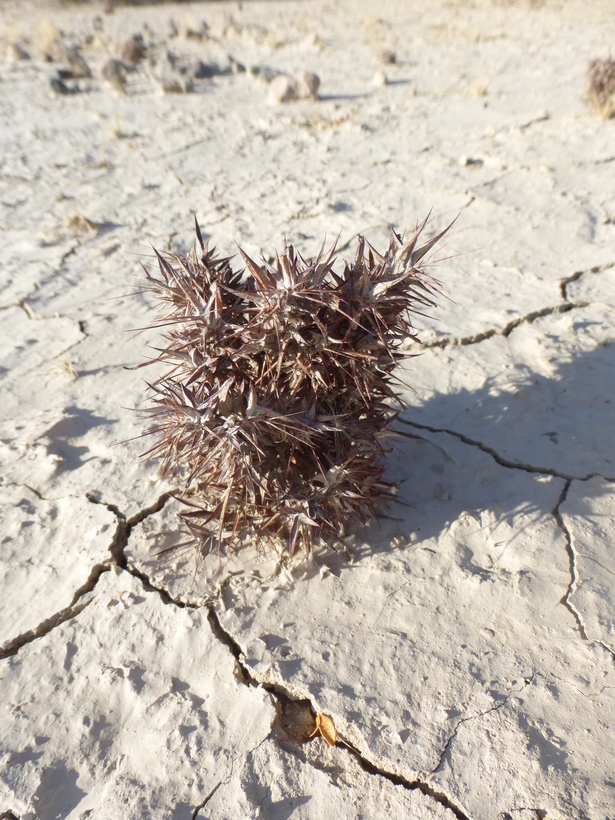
{"x":133,"y":50}
{"x":170,"y":74}
{"x":55,"y":52}
{"x":301,"y":86}
{"x":205,"y":71}
{"x":16,"y":51}
{"x":283,"y":88}
{"x":48,"y":40}
{"x":380,"y":78}
{"x":78,"y":67}
{"x":388,"y":56}
{"x":195,"y":32}
{"x":114,"y":71}
{"x":264,"y":73}
{"x":81,"y":224}
{"x":100,"y":42}
{"x":468,"y":161}
{"x":231,"y":27}
{"x":236,"y":66}
{"x":172,"y":85}
{"x":59,"y":86}
{"x":309,"y":84}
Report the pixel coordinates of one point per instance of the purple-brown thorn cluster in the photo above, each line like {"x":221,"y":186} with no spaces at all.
{"x":278,"y":400}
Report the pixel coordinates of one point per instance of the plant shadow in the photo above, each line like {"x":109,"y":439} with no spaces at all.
{"x":443,"y":478}
{"x":555,"y":424}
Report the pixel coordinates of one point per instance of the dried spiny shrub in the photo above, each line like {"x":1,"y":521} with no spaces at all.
{"x":601,"y":76}
{"x":278,"y":404}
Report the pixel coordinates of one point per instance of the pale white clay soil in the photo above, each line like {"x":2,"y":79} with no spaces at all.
{"x":463,"y":646}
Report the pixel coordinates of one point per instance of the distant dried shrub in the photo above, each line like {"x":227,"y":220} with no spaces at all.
{"x":601,"y":86}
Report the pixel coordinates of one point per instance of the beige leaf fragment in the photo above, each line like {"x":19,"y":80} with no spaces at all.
{"x":326,"y":727}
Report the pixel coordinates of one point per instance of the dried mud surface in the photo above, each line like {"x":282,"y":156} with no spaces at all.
{"x":464,"y":646}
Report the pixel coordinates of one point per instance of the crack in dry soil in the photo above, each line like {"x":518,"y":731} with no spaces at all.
{"x":577,"y":275}
{"x":572,"y":560}
{"x":410,"y":785}
{"x":283,"y":697}
{"x":503,"y":462}
{"x":528,"y":319}
{"x":125,"y":525}
{"x":116,"y":548}
{"x":223,"y":782}
{"x":556,"y":513}
{"x":495,"y":708}
{"x":14,"y":645}
{"x":39,"y":494}
{"x":210,"y":795}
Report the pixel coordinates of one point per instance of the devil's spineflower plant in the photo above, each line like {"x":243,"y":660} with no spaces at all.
{"x":278,"y":402}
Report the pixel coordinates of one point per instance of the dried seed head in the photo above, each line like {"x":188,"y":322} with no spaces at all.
{"x":601,"y":86}
{"x":278,"y":399}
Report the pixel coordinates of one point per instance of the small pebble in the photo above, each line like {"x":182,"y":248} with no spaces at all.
{"x":205,"y":71}
{"x":380,"y":78}
{"x":16,"y":51}
{"x":55,"y":52}
{"x":48,"y":41}
{"x":172,"y":85}
{"x":388,"y":57}
{"x":309,"y":84}
{"x":133,"y":50}
{"x":236,"y":66}
{"x":264,"y":73}
{"x":79,"y":69}
{"x":468,"y":161}
{"x":114,"y":71}
{"x":301,"y":86}
{"x":283,"y":88}
{"x":59,"y":86}
{"x":81,"y":224}
{"x":194,"y":32}
{"x":442,"y":493}
{"x":170,"y":75}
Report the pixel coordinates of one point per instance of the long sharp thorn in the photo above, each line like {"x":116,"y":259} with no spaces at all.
{"x":198,"y":232}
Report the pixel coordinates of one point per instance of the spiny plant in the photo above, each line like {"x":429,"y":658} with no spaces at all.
{"x":601,"y":86}
{"x":278,"y":402}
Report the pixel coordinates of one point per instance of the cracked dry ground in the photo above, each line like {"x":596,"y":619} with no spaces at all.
{"x":463,"y":647}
